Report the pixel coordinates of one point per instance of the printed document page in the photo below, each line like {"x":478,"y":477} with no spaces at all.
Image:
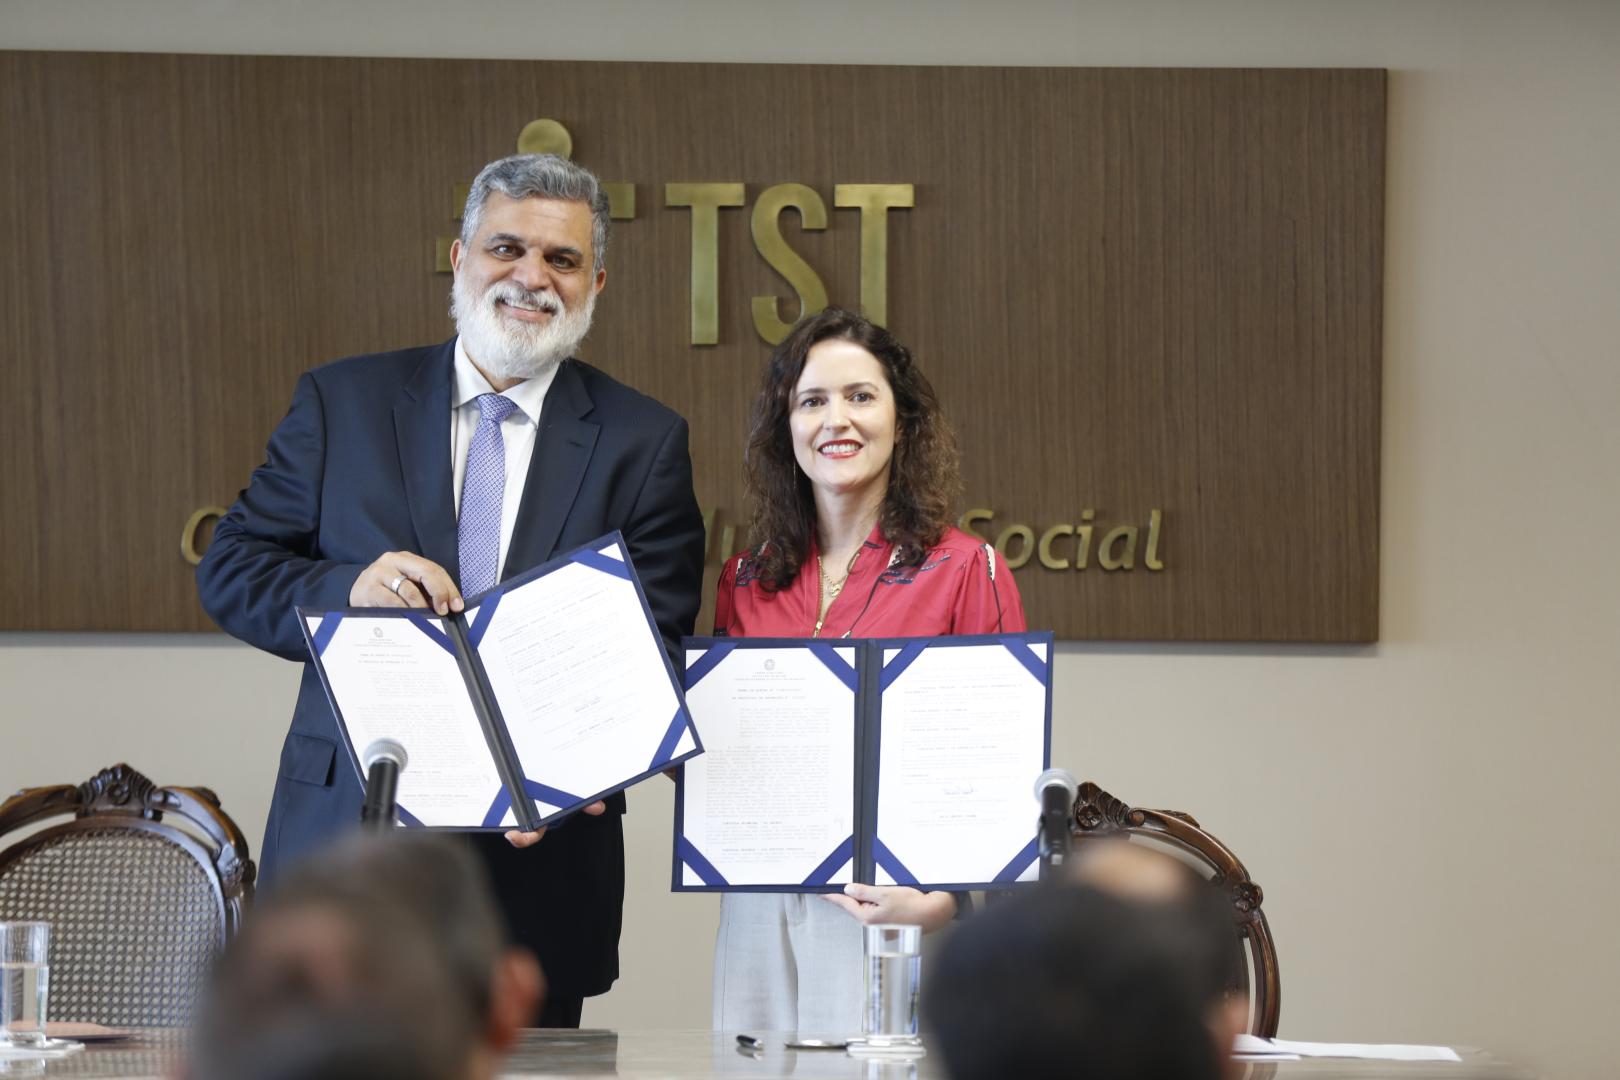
{"x":393,"y":680}
{"x":581,"y":680}
{"x":963,"y":738}
{"x":771,"y":799}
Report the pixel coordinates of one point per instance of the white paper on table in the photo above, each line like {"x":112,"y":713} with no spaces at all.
{"x":1252,"y":1045}
{"x":963,"y":738}
{"x":51,"y":1050}
{"x":391,"y":680}
{"x":772,"y":795}
{"x":580,"y":679}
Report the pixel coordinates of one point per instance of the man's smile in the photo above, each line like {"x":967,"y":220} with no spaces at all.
{"x":525,"y":312}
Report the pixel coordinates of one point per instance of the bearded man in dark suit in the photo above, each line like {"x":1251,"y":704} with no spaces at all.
{"x":414,"y":477}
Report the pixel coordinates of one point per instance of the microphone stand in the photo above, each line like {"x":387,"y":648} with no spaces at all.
{"x":382,"y":788}
{"x":384,"y":759}
{"x":1056,"y":790}
{"x":1055,"y":808}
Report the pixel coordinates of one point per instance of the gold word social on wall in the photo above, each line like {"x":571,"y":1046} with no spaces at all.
{"x":1069,"y":546}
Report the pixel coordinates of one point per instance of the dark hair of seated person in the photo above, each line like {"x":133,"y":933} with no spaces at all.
{"x":381,"y":956}
{"x":1068,"y":981}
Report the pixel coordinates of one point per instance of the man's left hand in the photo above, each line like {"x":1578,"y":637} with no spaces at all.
{"x":519,"y":839}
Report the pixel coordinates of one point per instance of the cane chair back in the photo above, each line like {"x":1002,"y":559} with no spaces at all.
{"x":1098,"y":815}
{"x":138,"y":905}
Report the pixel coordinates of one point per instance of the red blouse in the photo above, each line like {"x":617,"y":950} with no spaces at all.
{"x":960,"y":588}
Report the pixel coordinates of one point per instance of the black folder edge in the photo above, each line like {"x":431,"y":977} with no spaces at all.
{"x":496,"y":736}
{"x":869,"y":670}
{"x":868,"y":742}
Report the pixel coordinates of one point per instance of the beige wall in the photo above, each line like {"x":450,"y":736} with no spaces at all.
{"x":1430,"y":817}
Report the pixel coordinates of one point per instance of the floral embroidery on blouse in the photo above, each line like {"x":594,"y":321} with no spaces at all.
{"x":747,"y":571}
{"x":905,"y":575}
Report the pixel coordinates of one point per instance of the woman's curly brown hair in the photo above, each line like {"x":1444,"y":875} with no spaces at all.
{"x":924,"y":475}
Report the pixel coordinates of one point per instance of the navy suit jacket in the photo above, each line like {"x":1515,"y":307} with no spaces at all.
{"x":361,"y":465}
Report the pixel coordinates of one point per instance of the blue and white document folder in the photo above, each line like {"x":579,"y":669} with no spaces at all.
{"x":890,"y":762}
{"x":548,"y":692}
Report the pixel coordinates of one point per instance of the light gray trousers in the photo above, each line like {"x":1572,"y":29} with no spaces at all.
{"x":791,"y":962}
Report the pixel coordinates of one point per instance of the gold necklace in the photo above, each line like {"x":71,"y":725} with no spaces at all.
{"x":829,"y":593}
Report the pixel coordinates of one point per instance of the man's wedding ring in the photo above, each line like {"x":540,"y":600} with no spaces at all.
{"x":393,"y":586}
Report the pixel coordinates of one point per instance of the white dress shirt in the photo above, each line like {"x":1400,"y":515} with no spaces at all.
{"x":517,"y":434}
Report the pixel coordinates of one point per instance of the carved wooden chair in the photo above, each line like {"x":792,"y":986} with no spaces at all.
{"x":138,"y":905}
{"x":1097,"y":814}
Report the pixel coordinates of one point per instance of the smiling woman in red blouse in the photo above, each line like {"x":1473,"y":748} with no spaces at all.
{"x":852,"y":477}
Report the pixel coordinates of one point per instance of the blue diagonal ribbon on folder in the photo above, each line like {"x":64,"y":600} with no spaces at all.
{"x":480,"y":623}
{"x":503,"y":801}
{"x":672,"y":739}
{"x":423,"y":624}
{"x":406,"y":817}
{"x":1020,"y":862}
{"x":702,"y":867}
{"x":605,"y":563}
{"x":836,"y":664}
{"x":897,"y":666}
{"x":322,"y":637}
{"x":498,"y":808}
{"x":1026,"y":656}
{"x":886,"y":859}
{"x":708,"y":662}
{"x":829,"y":866}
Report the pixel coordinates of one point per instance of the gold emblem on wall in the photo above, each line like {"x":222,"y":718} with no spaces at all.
{"x":545,"y":137}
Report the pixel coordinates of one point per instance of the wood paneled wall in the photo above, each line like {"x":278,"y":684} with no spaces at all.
{"x":1135,"y":290}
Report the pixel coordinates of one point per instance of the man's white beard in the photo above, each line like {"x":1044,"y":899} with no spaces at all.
{"x":506,"y":348}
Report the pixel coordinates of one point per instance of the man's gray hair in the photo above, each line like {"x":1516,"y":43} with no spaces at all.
{"x":544,"y":176}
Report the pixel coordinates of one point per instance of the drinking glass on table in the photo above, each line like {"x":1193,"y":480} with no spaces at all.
{"x":24,"y":982}
{"x":893,"y":976}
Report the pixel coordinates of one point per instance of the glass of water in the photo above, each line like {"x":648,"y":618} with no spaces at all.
{"x":25,"y":979}
{"x":893,"y":975}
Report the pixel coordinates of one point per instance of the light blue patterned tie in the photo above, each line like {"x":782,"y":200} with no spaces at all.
{"x":478,"y":530}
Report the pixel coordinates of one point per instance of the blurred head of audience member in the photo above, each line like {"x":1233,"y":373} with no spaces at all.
{"x":1118,"y":980}
{"x":382,"y":956}
{"x":1152,"y":877}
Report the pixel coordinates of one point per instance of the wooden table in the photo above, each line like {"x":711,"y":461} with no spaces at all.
{"x":697,"y":1055}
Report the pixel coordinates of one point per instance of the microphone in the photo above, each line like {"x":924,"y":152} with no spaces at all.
{"x":1055,"y":789}
{"x":384,"y":759}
